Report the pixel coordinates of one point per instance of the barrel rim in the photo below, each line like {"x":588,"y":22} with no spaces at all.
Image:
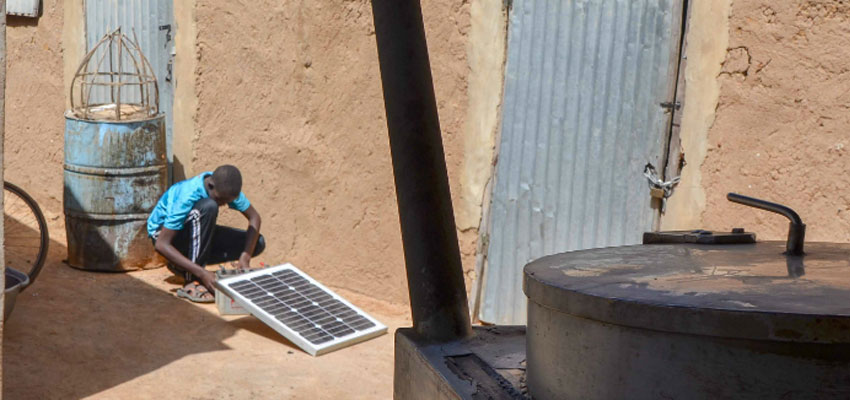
{"x":69,"y":115}
{"x":71,"y":213}
{"x":616,"y":297}
{"x":155,"y":169}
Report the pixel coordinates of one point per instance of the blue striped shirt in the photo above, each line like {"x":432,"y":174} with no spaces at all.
{"x":173,"y":207}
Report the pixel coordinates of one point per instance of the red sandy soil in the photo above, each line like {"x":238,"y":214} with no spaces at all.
{"x":76,"y":334}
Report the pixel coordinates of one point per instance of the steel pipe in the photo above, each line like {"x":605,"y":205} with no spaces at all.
{"x":432,"y":256}
{"x":796,"y":227}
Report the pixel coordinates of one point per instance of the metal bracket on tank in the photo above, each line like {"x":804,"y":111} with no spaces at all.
{"x":796,"y":229}
{"x":700,"y":236}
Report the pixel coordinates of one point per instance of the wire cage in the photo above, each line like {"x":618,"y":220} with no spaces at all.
{"x":115,"y":82}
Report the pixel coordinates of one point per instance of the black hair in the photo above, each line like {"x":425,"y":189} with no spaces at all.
{"x":227,"y":180}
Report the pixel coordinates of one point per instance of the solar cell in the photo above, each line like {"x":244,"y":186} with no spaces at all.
{"x":301,"y":309}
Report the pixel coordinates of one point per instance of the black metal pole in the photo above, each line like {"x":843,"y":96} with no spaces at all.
{"x":431,"y":252}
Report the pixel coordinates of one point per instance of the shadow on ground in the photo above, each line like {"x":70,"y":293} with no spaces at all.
{"x":74,"y":333}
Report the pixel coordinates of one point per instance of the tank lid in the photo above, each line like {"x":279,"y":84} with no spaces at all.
{"x":749,"y":291}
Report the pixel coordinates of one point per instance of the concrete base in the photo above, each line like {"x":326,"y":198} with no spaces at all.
{"x":490,"y":365}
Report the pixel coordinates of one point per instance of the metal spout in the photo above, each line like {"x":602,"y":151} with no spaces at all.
{"x":796,"y":229}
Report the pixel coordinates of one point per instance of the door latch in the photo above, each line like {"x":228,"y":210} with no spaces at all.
{"x":168,"y":37}
{"x":169,"y":68}
{"x":669,"y":105}
{"x":167,"y":29}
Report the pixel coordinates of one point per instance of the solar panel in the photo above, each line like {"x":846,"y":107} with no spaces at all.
{"x":301,"y":309}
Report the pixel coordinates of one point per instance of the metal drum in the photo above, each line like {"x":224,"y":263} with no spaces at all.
{"x":690,"y":321}
{"x":115,"y":171}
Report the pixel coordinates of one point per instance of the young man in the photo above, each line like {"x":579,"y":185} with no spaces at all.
{"x":182,"y":227}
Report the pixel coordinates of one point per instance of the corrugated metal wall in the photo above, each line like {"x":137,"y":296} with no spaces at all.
{"x":26,"y":8}
{"x":144,"y":17}
{"x":581,"y":118}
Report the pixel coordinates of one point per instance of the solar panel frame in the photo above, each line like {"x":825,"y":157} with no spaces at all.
{"x":256,"y":308}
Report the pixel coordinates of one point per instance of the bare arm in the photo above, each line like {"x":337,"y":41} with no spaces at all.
{"x":251,"y":237}
{"x":167,"y":249}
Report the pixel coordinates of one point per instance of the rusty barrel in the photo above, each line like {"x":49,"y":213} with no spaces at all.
{"x":115,"y":171}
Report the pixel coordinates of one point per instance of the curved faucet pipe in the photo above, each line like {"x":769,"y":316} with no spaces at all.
{"x":796,"y":229}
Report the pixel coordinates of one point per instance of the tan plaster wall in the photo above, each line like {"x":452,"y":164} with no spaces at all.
{"x":486,"y":48}
{"x":290,"y":92}
{"x":707,"y":40}
{"x":2,"y":135}
{"x":185,"y":109}
{"x":73,"y":42}
{"x":35,"y":103}
{"x":781,"y":129}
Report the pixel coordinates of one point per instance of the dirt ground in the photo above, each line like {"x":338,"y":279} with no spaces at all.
{"x":77,"y":334}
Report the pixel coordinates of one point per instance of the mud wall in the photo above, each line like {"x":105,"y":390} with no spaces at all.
{"x":290,"y":92}
{"x":782,"y":120}
{"x":35,"y":103}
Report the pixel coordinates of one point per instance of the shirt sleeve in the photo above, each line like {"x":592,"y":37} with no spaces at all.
{"x":241,"y":203}
{"x":177,"y":212}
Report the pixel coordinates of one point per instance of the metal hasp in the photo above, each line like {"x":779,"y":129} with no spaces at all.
{"x":689,"y":321}
{"x":432,"y":256}
{"x":796,"y":229}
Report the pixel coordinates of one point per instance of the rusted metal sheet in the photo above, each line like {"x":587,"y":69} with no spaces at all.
{"x":114,"y":174}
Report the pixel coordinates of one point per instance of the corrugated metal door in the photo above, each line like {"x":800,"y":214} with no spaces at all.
{"x":151,"y":21}
{"x":581,"y":118}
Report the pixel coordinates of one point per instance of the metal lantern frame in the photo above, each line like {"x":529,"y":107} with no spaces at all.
{"x":120,"y":66}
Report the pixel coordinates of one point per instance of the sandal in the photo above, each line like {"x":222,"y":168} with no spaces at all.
{"x":196,"y":293}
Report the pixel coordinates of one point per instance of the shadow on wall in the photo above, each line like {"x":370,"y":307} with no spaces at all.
{"x":13,"y":21}
{"x":75,"y":333}
{"x":178,"y":170}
